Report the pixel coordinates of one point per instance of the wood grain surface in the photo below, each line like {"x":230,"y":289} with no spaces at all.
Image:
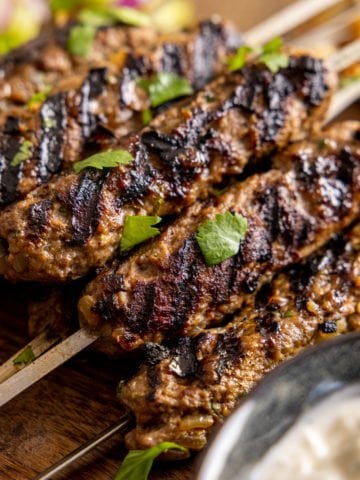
{"x":78,"y":400}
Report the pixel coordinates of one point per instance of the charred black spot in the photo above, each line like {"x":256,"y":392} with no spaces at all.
{"x":53,"y":123}
{"x":228,"y":349}
{"x":172,"y":60}
{"x":134,"y":67}
{"x":38,"y":216}
{"x":92,"y":87}
{"x":184,"y":362}
{"x":357,"y":135}
{"x":154,"y":353}
{"x":84,"y":201}
{"x":9,"y":147}
{"x":311,"y":74}
{"x":153,"y":380}
{"x":328,"y":327}
{"x":206,"y":52}
{"x":267,"y":324}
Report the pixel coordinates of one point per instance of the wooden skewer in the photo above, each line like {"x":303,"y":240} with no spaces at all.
{"x":282,"y":22}
{"x":37,"y":347}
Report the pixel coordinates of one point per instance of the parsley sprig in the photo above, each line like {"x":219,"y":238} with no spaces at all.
{"x":102,"y":160}
{"x":270,"y":55}
{"x":220,"y":239}
{"x":137,"y":463}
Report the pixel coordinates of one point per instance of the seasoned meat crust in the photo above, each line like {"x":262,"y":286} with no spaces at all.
{"x":95,"y":102}
{"x":62,"y":230}
{"x":166,"y":290}
{"x":184,"y":388}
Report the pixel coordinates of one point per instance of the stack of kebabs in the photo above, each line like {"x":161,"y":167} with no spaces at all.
{"x":246,"y":147}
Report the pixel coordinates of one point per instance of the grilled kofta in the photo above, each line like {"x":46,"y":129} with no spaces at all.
{"x":184,"y":388}
{"x":166,"y":289}
{"x":93,"y":103}
{"x":62,"y":230}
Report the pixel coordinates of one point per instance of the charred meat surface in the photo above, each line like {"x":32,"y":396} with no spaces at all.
{"x":93,"y":103}
{"x":185,"y":388}
{"x":238,"y":119}
{"x":167,"y":290}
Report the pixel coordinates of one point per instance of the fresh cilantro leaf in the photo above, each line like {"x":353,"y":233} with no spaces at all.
{"x":39,"y":97}
{"x":165,"y":87}
{"x":220,"y":239}
{"x":137,"y":229}
{"x":274,"y":61}
{"x":23,"y":154}
{"x":104,"y":160}
{"x":81,"y":39}
{"x":146,"y":116}
{"x":137,"y":463}
{"x":273,"y":46}
{"x":239,"y":59}
{"x":272,"y":57}
{"x":25,"y":357}
{"x":95,"y":17}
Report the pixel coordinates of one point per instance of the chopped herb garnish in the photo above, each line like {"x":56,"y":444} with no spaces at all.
{"x":138,"y":463}
{"x":272,"y":57}
{"x":137,"y":229}
{"x":220,"y":239}
{"x":146,"y":116}
{"x":25,"y":357}
{"x":81,"y":39}
{"x":289,"y":314}
{"x":165,"y":87}
{"x":239,"y":59}
{"x":104,"y":160}
{"x":39,"y":97}
{"x":23,"y":154}
{"x":322,"y":143}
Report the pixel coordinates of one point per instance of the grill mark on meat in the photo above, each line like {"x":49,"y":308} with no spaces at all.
{"x":92,"y":88}
{"x":177,"y":158}
{"x":204,"y":52}
{"x":9,"y":175}
{"x":184,"y":294}
{"x":256,"y":340}
{"x":85,"y":205}
{"x":38,"y":216}
{"x":53,"y":123}
{"x":172,"y":59}
{"x":80,"y":126}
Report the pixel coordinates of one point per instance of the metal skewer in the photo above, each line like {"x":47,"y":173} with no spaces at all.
{"x":119,"y":427}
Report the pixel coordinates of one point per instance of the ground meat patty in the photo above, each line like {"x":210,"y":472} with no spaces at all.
{"x":183,"y":389}
{"x":167,"y":290}
{"x":64,"y":229}
{"x":97,"y":102}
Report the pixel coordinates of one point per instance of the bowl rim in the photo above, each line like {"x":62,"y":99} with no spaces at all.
{"x":207,"y":468}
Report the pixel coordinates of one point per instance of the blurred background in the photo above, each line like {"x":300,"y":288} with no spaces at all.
{"x":21,"y":20}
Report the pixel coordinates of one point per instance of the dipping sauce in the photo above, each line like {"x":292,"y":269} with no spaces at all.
{"x":323,"y":444}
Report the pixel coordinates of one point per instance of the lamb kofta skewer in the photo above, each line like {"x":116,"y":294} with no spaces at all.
{"x":167,"y":290}
{"x":62,"y":230}
{"x":100,"y":101}
{"x":170,"y":288}
{"x":184,"y":388}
